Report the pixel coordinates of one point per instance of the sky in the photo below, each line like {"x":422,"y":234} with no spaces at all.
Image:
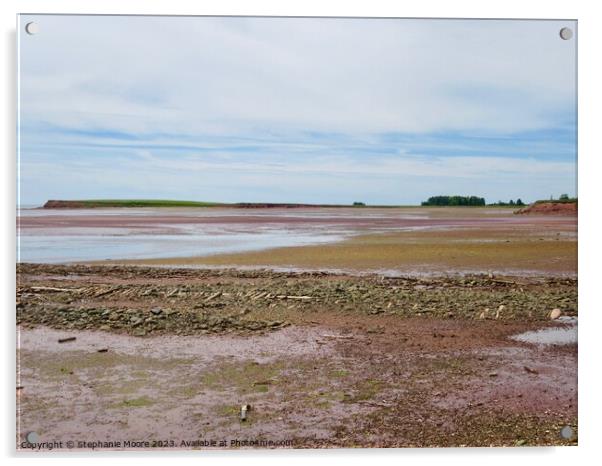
{"x":313,"y":110}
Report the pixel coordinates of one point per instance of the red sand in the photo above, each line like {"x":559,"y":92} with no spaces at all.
{"x":355,"y":219}
{"x":551,"y":208}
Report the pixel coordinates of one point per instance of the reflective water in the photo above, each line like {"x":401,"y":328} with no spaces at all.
{"x":564,"y":334}
{"x":94,"y":246}
{"x":68,"y":235}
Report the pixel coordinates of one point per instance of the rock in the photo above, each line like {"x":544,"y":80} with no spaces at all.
{"x":136,"y":321}
{"x":244,"y":409}
{"x":156,"y":310}
{"x":67,"y":339}
{"x":493,"y":374}
{"x":568,"y":319}
{"x":529,"y":370}
{"x":103,"y":350}
{"x":555,"y":314}
{"x":104,"y":328}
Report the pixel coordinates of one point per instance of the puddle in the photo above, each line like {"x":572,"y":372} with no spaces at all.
{"x":565,"y":334}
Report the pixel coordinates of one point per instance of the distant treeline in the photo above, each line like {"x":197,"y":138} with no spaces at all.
{"x":454,"y":201}
{"x":510,"y":203}
{"x":564,"y":198}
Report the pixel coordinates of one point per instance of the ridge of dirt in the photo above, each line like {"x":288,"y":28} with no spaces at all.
{"x":550,"y":208}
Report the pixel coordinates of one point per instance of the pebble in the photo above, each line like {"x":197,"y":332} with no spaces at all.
{"x":67,"y":339}
{"x":190,"y":313}
{"x":555,"y":314}
{"x":136,"y":321}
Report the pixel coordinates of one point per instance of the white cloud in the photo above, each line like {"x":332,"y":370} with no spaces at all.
{"x":339,"y":179}
{"x":270,"y":81}
{"x":224,"y":75}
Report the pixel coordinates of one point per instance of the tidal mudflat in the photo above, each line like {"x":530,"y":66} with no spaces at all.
{"x":406,"y":240}
{"x":405,"y":331}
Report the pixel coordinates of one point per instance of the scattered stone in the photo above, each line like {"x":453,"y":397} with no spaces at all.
{"x":67,"y":339}
{"x":53,"y":289}
{"x":567,"y":319}
{"x":555,"y":314}
{"x":215,"y":301}
{"x":493,"y":374}
{"x":378,"y":329}
{"x":262,"y":382}
{"x":530,"y":371}
{"x":345,"y":337}
{"x":243,"y":412}
{"x":135,"y":321}
{"x":213,"y":296}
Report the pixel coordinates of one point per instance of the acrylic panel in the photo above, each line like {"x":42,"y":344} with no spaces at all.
{"x":280,"y":232}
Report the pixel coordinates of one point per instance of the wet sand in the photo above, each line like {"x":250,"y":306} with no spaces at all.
{"x":412,"y":240}
{"x":352,"y":360}
{"x":366,"y":218}
{"x":362,"y":382}
{"x":421,"y":333}
{"x":354,"y":239}
{"x":520,"y":251}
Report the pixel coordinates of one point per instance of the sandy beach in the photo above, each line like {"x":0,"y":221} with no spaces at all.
{"x":435,"y":335}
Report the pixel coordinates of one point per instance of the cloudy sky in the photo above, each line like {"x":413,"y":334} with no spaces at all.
{"x":295,"y":110}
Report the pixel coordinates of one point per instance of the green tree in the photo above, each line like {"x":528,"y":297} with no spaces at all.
{"x":454,"y":201}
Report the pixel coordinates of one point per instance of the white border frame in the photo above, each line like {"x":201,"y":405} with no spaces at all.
{"x":590,"y":35}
